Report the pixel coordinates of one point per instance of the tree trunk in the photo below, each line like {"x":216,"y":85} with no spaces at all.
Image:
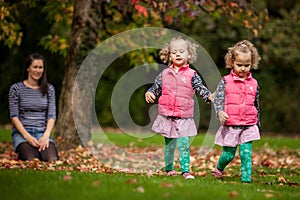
{"x":86,"y":20}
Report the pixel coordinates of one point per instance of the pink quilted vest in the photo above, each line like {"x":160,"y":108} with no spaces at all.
{"x":177,"y":93}
{"x":239,"y":100}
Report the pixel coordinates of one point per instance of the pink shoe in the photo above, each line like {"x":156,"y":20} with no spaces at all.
{"x":171,"y":173}
{"x":217,"y":173}
{"x":187,"y":175}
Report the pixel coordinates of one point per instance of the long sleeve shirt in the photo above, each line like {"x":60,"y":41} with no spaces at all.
{"x":219,"y":100}
{"x":196,"y":82}
{"x":32,"y":107}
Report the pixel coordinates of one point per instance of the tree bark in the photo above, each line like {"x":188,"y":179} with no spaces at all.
{"x":86,"y":21}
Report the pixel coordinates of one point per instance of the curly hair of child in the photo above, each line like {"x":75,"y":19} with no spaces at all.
{"x":244,"y":46}
{"x":164,"y":53}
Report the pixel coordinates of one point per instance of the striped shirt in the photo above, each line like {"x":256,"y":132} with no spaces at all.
{"x":31,"y":107}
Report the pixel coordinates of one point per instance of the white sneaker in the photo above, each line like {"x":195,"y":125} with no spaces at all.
{"x":187,"y":175}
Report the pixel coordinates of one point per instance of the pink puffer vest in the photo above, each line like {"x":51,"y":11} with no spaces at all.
{"x":177,"y":93}
{"x":239,"y":100}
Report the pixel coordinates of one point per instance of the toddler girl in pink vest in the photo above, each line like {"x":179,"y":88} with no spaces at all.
{"x":237,"y":107}
{"x":175,"y":87}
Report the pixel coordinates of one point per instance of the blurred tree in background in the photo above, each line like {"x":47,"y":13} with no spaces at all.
{"x":50,"y":28}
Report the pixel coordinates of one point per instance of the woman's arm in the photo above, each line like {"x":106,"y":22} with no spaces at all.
{"x":14,"y":105}
{"x":51,"y":117}
{"x":44,"y":140}
{"x":20,"y":128}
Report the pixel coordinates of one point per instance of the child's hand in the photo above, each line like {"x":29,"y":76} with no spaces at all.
{"x":212,"y":96}
{"x":150,"y":97}
{"x":223,"y":117}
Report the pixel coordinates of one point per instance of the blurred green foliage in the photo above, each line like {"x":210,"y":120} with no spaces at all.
{"x":273,"y":26}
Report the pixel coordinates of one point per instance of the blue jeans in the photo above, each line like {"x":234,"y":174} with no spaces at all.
{"x":17,"y":138}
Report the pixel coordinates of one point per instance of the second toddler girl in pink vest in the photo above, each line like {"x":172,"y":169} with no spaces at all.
{"x":237,"y":107}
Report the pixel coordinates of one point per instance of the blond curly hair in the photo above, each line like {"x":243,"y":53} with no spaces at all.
{"x":244,"y":46}
{"x":164,"y":53}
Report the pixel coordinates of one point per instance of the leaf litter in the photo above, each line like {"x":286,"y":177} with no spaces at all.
{"x":149,"y":161}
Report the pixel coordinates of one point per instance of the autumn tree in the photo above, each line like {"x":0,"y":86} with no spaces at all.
{"x":80,"y":25}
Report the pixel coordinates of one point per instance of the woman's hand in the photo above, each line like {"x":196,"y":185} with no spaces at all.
{"x":223,"y":117}
{"x":32,"y":140}
{"x":150,"y":97}
{"x":29,"y":138}
{"x":44,"y":142}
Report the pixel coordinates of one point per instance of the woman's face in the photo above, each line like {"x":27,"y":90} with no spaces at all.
{"x":35,"y":70}
{"x":179,"y":53}
{"x":242,"y":64}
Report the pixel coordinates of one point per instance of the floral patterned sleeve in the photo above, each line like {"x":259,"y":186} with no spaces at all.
{"x":256,"y":104}
{"x":156,"y":87}
{"x":200,"y":88}
{"x":219,"y":100}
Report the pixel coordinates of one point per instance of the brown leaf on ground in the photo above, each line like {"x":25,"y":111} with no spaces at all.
{"x":281,"y":179}
{"x":268,"y":195}
{"x":96,"y":183}
{"x":140,"y":189}
{"x":67,"y":177}
{"x":166,"y":185}
{"x":201,"y":173}
{"x":107,"y":158}
{"x":233,"y":194}
{"x":132,"y":181}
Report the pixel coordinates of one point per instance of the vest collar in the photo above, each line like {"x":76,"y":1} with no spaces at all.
{"x":237,"y":78}
{"x":183,"y":68}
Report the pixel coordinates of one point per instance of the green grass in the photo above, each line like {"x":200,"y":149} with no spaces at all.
{"x":121,"y":139}
{"x":31,"y":184}
{"x":5,"y":135}
{"x":35,"y":184}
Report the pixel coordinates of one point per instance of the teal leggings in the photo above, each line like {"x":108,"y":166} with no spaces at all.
{"x":246,"y":159}
{"x":184,"y":153}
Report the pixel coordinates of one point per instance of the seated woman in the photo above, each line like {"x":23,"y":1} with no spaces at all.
{"x":33,"y":112}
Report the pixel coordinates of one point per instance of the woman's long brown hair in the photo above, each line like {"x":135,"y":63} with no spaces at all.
{"x":43,"y":82}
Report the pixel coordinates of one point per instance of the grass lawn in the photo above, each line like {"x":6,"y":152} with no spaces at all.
{"x":31,"y":184}
{"x":269,"y":181}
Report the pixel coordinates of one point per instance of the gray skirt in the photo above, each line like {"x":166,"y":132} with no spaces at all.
{"x":174,"y":128}
{"x":232,"y":136}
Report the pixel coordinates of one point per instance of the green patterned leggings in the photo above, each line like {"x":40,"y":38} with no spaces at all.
{"x":184,"y":153}
{"x":246,"y":159}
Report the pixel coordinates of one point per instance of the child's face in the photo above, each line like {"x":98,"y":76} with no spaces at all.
{"x":179,"y":53}
{"x":242,"y":64}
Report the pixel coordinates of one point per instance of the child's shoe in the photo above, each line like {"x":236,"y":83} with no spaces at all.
{"x":187,"y":175}
{"x":171,"y":173}
{"x":217,"y":173}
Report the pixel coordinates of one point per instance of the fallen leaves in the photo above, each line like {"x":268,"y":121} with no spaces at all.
{"x":96,"y":183}
{"x":281,"y":179}
{"x":140,"y":189}
{"x":67,"y":177}
{"x":150,"y":161}
{"x":233,"y":194}
{"x":166,"y":185}
{"x":131,"y":181}
{"x":268,"y":195}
